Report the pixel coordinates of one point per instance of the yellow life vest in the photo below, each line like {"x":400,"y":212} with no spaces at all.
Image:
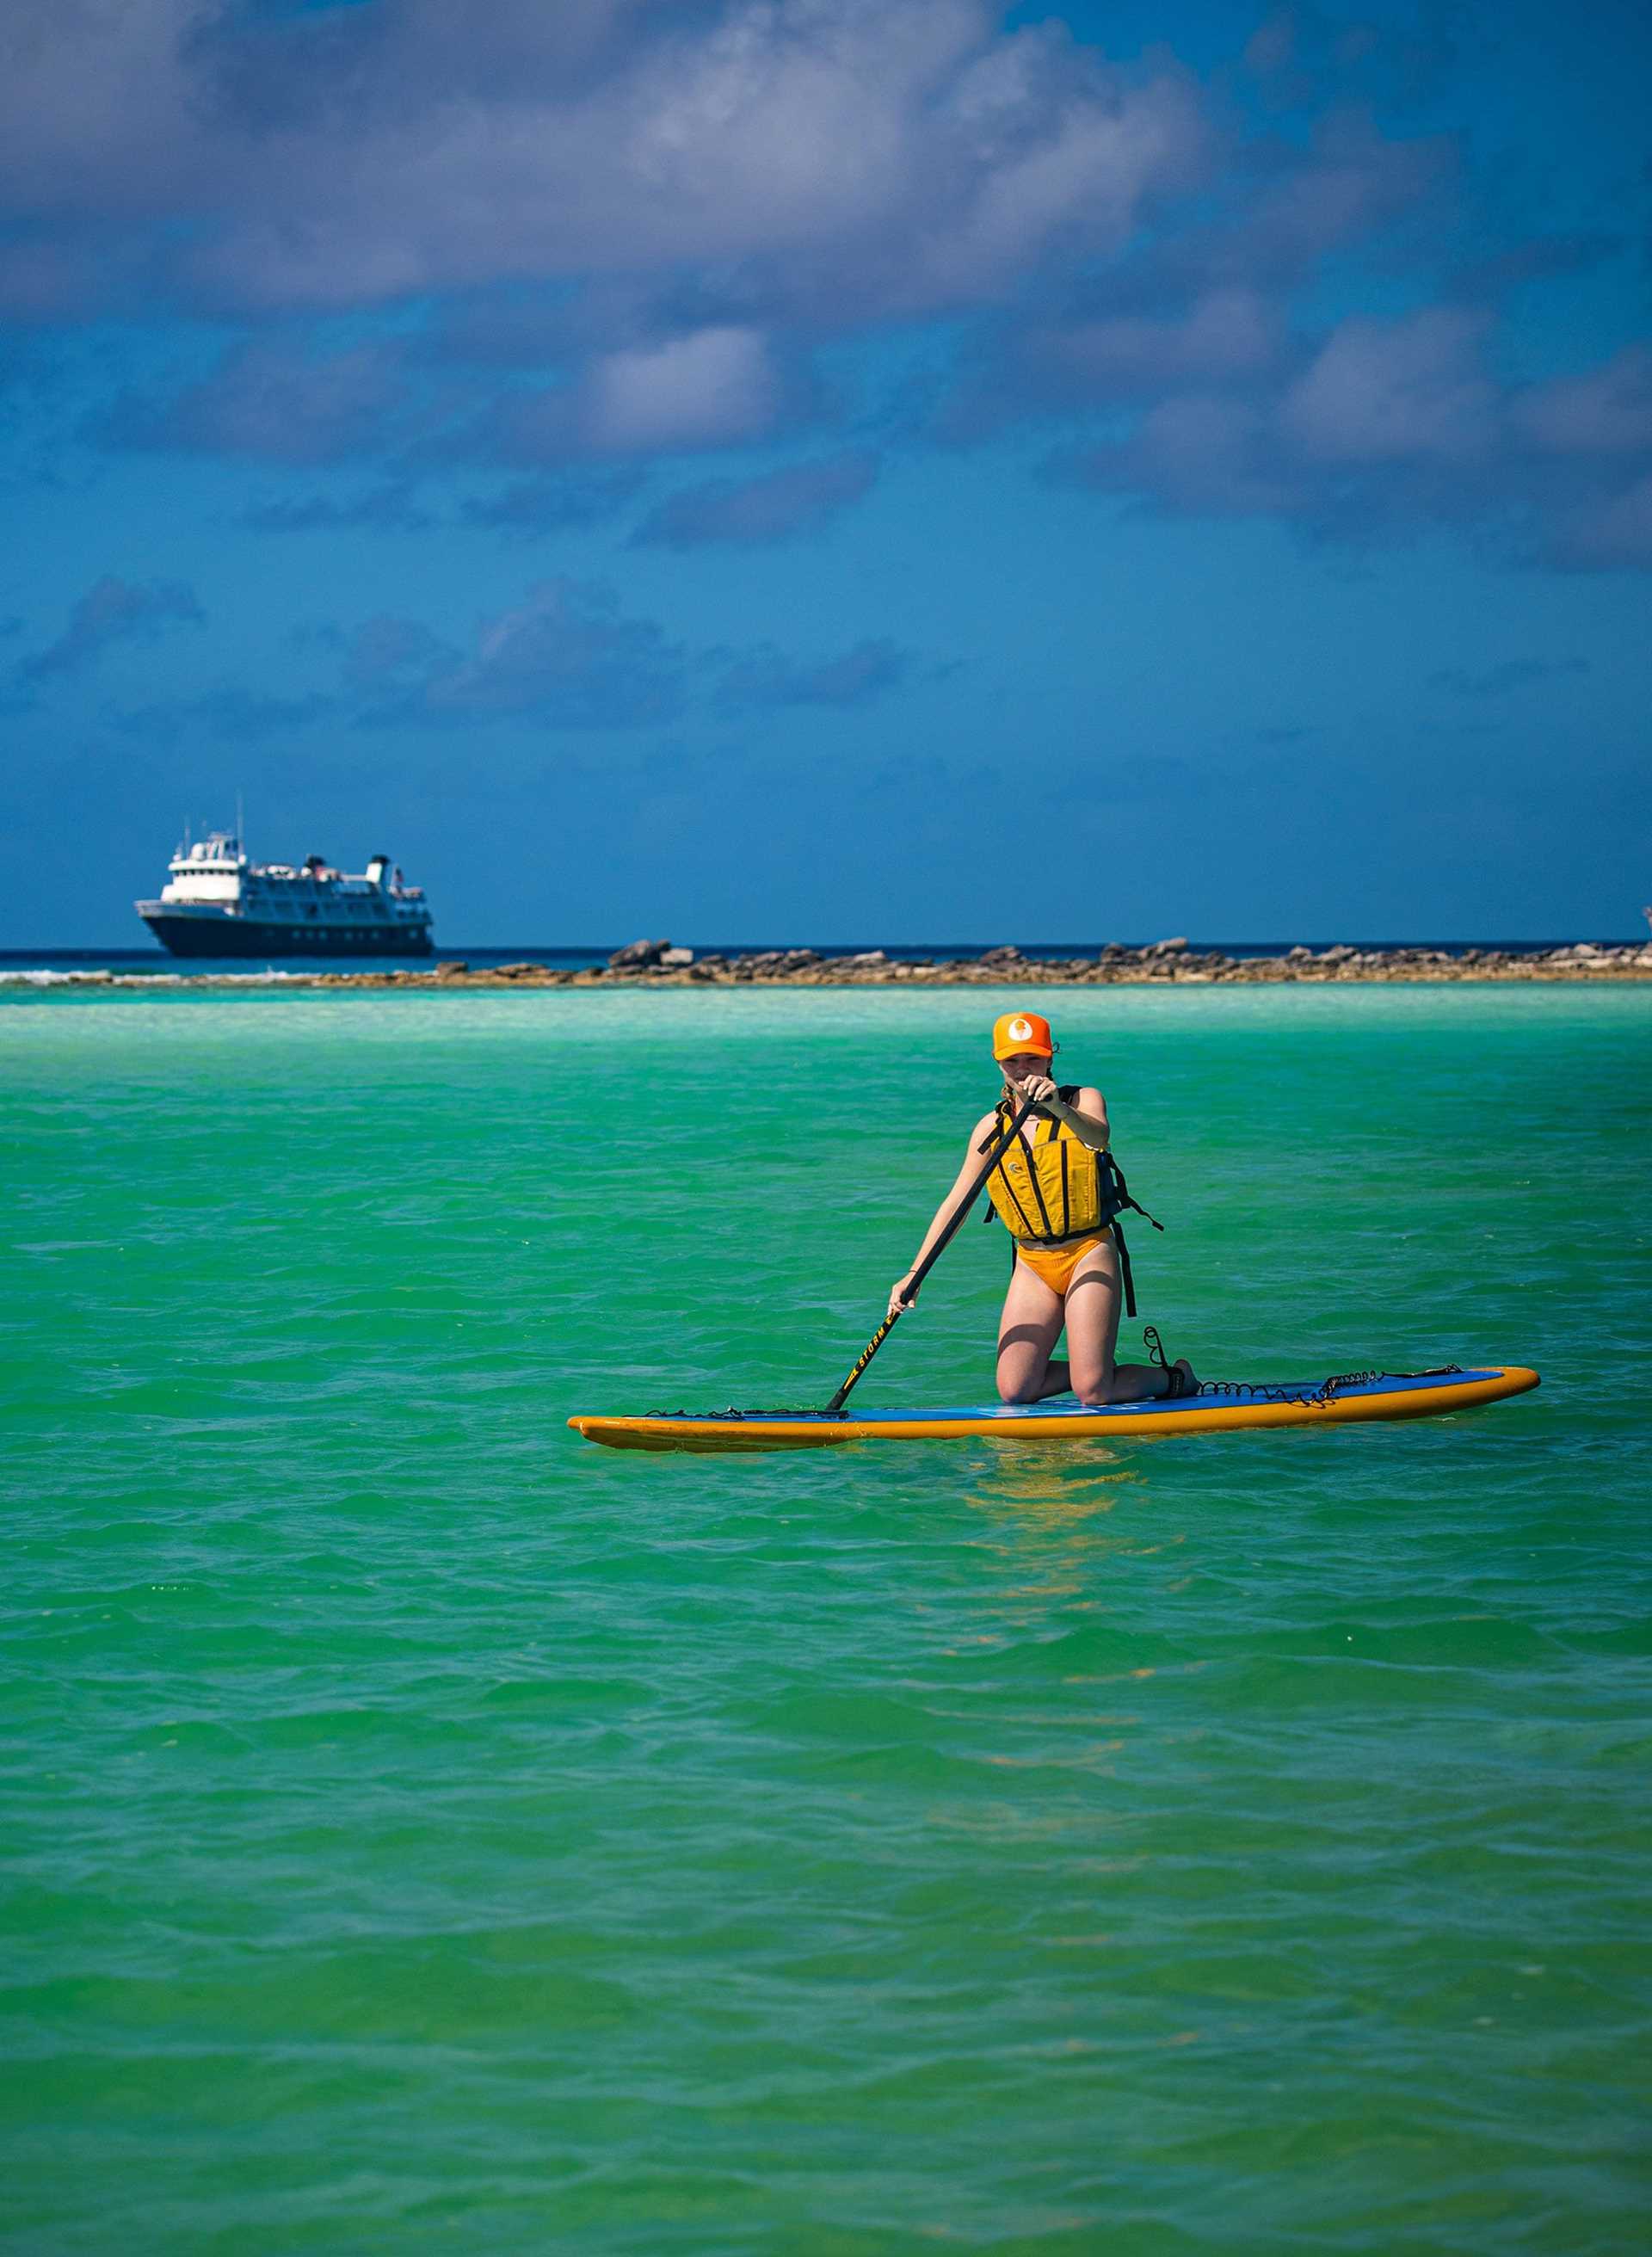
{"x":1059,"y":1190}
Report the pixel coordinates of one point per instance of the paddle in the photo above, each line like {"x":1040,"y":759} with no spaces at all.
{"x":954,"y":1223}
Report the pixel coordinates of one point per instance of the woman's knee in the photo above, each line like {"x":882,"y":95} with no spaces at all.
{"x":1020,"y":1377}
{"x":1093,"y":1383}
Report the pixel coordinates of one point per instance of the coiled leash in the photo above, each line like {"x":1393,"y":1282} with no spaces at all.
{"x":1244,"y":1390}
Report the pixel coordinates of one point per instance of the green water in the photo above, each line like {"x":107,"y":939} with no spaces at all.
{"x":424,"y":1832}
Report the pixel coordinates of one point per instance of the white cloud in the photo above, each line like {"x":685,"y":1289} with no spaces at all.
{"x":713,"y":387}
{"x":347,"y":156}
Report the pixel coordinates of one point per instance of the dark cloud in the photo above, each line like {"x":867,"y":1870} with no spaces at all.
{"x":1206,"y":299}
{"x":1083,"y":365}
{"x":114,"y":609}
{"x":529,"y":507}
{"x":1544,"y":258}
{"x":1381,"y":428}
{"x":386,"y":651}
{"x":230,"y":714}
{"x":1298,"y":55}
{"x":1604,"y":411}
{"x":768,"y":677}
{"x":532,"y":506}
{"x":270,"y":402}
{"x":1510,"y":674}
{"x":1386,"y":391}
{"x":1612,"y":532}
{"x":515,"y":327}
{"x":568,"y":657}
{"x":389,"y":508}
{"x":565,"y":656}
{"x":1289,"y":207}
{"x":754,"y":512}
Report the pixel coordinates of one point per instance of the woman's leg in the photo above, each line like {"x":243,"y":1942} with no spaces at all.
{"x":1027,"y":1331}
{"x":1094,"y":1300}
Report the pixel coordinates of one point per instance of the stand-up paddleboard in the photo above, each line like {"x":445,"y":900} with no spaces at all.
{"x":1218,"y":1407}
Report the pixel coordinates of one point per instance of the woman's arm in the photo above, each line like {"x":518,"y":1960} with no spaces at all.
{"x":985,"y":1127}
{"x":1086,"y":1117}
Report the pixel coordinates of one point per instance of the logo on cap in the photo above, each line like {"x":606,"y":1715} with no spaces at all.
{"x":1021,"y":1029}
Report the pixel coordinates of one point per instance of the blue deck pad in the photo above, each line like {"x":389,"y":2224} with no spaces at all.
{"x":1059,"y":1408}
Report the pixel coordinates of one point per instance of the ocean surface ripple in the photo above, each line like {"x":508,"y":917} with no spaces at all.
{"x":425,"y":1832}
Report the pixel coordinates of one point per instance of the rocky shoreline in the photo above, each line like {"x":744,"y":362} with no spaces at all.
{"x":652,"y":964}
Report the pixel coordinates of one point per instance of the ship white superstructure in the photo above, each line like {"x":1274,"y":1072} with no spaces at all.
{"x":218,"y":902}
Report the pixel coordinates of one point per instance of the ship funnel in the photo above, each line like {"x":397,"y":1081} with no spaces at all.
{"x":376,"y":869}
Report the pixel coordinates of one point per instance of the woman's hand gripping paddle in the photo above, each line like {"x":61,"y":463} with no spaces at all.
{"x":954,"y":1223}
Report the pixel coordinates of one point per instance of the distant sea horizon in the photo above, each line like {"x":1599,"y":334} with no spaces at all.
{"x":137,"y":957}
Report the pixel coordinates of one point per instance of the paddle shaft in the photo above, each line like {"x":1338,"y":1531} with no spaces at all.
{"x":954,"y":1223}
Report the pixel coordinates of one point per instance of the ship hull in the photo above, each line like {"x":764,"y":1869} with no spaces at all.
{"x":199,"y":936}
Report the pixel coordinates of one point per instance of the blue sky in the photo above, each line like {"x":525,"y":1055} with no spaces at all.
{"x":832,"y":469}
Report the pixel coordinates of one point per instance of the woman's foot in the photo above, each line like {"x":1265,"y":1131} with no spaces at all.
{"x":1182,"y":1381}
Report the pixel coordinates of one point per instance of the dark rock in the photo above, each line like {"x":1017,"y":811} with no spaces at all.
{"x":637,"y":955}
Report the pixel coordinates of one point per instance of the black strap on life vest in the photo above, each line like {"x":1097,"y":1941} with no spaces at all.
{"x":1126,"y":1274}
{"x":1118,"y":1190}
{"x":1000,"y":1121}
{"x":1050,"y":1131}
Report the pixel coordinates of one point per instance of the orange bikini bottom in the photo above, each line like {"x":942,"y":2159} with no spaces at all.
{"x":1055,"y":1264}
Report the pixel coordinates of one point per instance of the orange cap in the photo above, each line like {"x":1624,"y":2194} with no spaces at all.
{"x":1017,"y":1032}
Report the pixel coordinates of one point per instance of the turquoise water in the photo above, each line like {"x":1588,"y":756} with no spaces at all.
{"x":425,"y":1832}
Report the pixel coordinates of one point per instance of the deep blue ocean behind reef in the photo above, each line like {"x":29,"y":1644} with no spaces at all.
{"x":424,"y":1832}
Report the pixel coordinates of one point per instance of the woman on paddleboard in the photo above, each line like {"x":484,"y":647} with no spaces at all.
{"x":1058,"y":1199}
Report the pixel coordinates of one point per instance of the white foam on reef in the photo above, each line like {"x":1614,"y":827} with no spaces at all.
{"x":268,"y":977}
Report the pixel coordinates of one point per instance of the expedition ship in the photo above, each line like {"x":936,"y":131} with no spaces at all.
{"x":216,"y":902}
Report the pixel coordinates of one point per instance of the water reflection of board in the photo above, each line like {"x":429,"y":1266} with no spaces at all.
{"x":1215,"y":1410}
